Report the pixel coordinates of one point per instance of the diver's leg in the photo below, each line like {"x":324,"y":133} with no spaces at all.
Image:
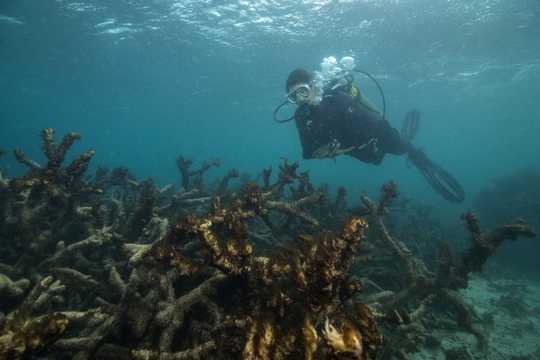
{"x":368,"y":156}
{"x":439,"y":179}
{"x":411,"y":124}
{"x":389,"y":139}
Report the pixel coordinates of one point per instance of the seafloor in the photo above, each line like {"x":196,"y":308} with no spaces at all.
{"x":509,"y":310}
{"x":102,"y":265}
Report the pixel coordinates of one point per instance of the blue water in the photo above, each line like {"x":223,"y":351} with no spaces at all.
{"x":145,"y":81}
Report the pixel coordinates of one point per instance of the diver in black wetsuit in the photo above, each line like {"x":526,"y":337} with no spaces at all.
{"x":344,"y":122}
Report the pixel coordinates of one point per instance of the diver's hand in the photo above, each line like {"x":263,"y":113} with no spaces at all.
{"x":326,"y":150}
{"x":331,"y":150}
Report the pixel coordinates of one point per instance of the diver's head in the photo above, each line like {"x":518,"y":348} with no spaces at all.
{"x":299,"y":87}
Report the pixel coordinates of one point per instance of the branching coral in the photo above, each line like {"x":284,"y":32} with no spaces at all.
{"x":12,"y":289}
{"x":271,"y":270}
{"x":224,"y":183}
{"x":193,"y":178}
{"x":22,"y":332}
{"x":305,"y":283}
{"x":143,"y":210}
{"x":485,"y":245}
{"x":99,"y":238}
{"x":266,"y":174}
{"x":52,"y":176}
{"x":48,"y":205}
{"x":421,"y":287}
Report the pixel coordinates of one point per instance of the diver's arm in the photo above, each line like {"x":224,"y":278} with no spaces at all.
{"x":306,"y":133}
{"x":307,"y":146}
{"x":332,"y":149}
{"x":323,"y":128}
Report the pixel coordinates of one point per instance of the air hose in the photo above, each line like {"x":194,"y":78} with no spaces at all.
{"x":378,"y":87}
{"x":281,"y":121}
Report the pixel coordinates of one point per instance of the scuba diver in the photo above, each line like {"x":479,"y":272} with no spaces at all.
{"x":334,"y":118}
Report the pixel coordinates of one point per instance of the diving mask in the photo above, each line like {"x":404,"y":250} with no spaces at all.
{"x":300,"y":94}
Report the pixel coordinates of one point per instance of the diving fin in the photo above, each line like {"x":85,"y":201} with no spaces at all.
{"x":411,"y":124}
{"x":439,"y":179}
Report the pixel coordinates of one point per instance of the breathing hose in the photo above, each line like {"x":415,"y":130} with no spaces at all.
{"x":378,"y":87}
{"x":281,"y":121}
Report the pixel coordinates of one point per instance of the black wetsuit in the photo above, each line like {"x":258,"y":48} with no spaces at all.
{"x":343,"y":119}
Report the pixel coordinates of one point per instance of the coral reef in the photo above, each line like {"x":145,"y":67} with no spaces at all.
{"x":511,"y":196}
{"x":111,"y":267}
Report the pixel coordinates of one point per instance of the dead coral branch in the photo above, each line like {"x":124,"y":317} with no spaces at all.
{"x":484,"y":245}
{"x":23,"y":332}
{"x":291,"y":294}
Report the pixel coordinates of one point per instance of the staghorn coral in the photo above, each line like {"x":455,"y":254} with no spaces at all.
{"x":22,"y":332}
{"x":224,"y":183}
{"x":515,"y":195}
{"x":193,"y":178}
{"x":98,"y":238}
{"x":207,"y":272}
{"x":266,"y":174}
{"x":485,"y":245}
{"x":50,"y":204}
{"x":184,"y":165}
{"x":235,"y":258}
{"x":12,"y":289}
{"x":421,"y":288}
{"x":418,"y":227}
{"x":143,"y":210}
{"x":453,"y":273}
{"x":307,"y":288}
{"x":198,"y":174}
{"x":57,"y":180}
